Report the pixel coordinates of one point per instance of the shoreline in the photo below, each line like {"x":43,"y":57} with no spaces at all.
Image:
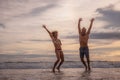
{"x":66,"y":74}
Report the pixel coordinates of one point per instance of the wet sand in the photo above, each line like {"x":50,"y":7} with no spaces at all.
{"x":65,"y":74}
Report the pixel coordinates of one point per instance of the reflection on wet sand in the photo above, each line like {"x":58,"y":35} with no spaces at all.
{"x":58,"y":76}
{"x":66,"y":74}
{"x":85,"y":75}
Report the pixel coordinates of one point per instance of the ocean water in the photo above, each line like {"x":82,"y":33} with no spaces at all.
{"x":36,"y":57}
{"x":43,"y":61}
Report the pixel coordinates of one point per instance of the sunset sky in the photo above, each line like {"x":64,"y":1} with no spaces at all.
{"x":21,"y":23}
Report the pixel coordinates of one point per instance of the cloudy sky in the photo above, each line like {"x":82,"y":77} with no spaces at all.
{"x":21,"y":29}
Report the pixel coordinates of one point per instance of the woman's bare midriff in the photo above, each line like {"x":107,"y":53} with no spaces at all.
{"x":57,"y":46}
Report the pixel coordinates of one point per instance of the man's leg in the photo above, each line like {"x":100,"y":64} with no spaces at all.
{"x":88,"y":58}
{"x":82,"y":60}
{"x":88,"y":62}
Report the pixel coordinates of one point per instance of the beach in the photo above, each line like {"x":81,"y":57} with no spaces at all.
{"x":38,"y":67}
{"x":38,"y":36}
{"x":65,"y":74}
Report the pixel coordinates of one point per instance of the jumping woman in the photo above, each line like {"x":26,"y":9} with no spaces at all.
{"x":58,"y":50}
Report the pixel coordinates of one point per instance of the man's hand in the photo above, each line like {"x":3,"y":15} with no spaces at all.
{"x":80,"y":19}
{"x":44,"y":26}
{"x":91,"y":23}
{"x":92,"y":19}
{"x":79,"y":29}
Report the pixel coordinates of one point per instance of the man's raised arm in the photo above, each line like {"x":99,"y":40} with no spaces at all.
{"x":91,"y":23}
{"x":79,"y":29}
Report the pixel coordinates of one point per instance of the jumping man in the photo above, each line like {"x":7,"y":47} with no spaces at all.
{"x":83,"y":40}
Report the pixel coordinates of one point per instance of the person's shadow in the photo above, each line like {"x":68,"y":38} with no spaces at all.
{"x":86,"y":75}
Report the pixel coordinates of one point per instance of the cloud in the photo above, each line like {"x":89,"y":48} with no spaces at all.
{"x":110,"y":15}
{"x":34,"y":40}
{"x":2,"y":26}
{"x":37,"y":11}
{"x":108,"y":35}
{"x":39,"y":40}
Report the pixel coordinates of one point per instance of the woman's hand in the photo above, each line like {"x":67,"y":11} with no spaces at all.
{"x":44,"y":26}
{"x":92,"y":19}
{"x":80,"y":19}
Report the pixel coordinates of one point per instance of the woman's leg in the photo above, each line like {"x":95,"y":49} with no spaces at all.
{"x":57,"y":61}
{"x":62,"y":60}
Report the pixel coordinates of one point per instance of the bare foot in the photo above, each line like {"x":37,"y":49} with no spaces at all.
{"x":53,"y":70}
{"x":89,"y":69}
{"x":86,"y":69}
{"x":58,"y":69}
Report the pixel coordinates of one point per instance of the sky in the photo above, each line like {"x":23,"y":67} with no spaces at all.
{"x":21,"y":29}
